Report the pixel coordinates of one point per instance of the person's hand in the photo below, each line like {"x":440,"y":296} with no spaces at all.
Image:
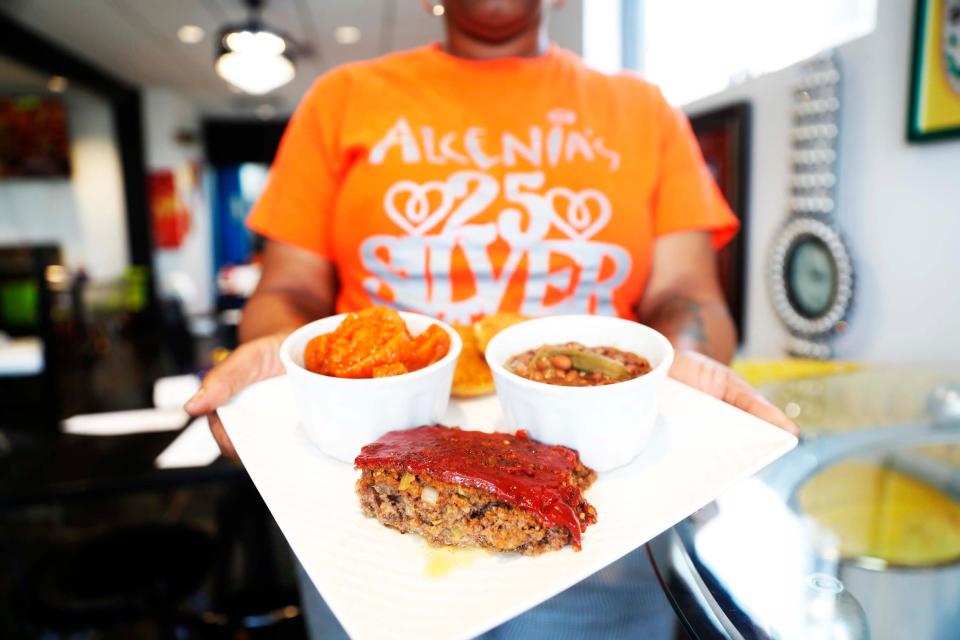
{"x":252,"y":362}
{"x":719,"y":381}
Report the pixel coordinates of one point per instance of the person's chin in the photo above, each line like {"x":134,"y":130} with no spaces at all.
{"x":497,"y":20}
{"x":497,"y":10}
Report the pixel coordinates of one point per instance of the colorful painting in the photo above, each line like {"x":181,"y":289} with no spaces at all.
{"x":935,"y":92}
{"x":33,"y":138}
{"x":171,"y":217}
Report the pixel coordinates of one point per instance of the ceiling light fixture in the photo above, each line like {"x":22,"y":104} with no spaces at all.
{"x":266,"y":111}
{"x":254,"y":57}
{"x":190,"y":34}
{"x":57,"y":84}
{"x":346,"y":34}
{"x":438,"y":9}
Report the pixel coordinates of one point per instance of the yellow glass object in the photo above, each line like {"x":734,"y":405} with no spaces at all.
{"x":879,"y":512}
{"x":758,"y":372}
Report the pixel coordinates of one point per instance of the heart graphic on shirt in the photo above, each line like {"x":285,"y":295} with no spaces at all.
{"x":584,"y":213}
{"x":417,"y":208}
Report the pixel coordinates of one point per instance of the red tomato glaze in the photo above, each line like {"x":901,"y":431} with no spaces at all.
{"x":519,"y":471}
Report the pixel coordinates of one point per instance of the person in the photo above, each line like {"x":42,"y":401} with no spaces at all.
{"x":495,"y":171}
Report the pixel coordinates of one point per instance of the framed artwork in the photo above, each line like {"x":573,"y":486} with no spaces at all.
{"x":33,"y":138}
{"x":724,"y":137}
{"x":935,"y":78}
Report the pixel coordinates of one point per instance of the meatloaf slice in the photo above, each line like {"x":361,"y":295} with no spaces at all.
{"x":472,"y":489}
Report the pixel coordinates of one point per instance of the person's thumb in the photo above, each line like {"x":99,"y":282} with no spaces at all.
{"x":250,"y":363}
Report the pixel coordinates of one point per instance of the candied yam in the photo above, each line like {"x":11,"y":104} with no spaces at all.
{"x":393,"y":349}
{"x":384,"y":319}
{"x":428,"y":347}
{"x":396,"y":349}
{"x":391,"y":369}
{"x":372,"y":343}
{"x":314,"y":356}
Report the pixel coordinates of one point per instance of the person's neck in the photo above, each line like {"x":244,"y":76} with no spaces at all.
{"x":528,"y":44}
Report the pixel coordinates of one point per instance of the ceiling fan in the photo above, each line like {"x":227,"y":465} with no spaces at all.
{"x":254,"y":57}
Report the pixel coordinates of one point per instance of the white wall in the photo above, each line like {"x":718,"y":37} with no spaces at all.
{"x":602,"y":36}
{"x":566,"y":24}
{"x":83,"y":214}
{"x":188,"y":270}
{"x":898,"y":204}
{"x":98,"y":187}
{"x":34,"y":211}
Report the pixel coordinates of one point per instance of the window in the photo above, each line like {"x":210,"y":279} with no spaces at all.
{"x":693,"y":48}
{"x":602,"y":48}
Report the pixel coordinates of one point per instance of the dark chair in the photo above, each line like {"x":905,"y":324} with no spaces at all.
{"x":117,"y":580}
{"x":252,"y":588}
{"x":30,"y":402}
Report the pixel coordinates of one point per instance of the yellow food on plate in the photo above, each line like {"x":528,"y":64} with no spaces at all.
{"x":485,"y":328}
{"x":472,"y":376}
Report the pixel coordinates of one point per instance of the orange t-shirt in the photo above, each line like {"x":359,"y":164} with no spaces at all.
{"x":459,"y":188}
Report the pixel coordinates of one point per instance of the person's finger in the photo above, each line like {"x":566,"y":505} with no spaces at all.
{"x":700,"y":372}
{"x":220,"y":435}
{"x":224,"y":380}
{"x":740,"y":394}
{"x":251,"y":362}
{"x":713,"y":378}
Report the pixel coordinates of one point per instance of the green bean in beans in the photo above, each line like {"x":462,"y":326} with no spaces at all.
{"x":572,"y":364}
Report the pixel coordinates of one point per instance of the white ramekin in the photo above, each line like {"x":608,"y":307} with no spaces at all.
{"x":609,"y":425}
{"x":340,"y":415}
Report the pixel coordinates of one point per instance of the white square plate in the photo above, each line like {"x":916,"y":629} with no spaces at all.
{"x":381,"y":584}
